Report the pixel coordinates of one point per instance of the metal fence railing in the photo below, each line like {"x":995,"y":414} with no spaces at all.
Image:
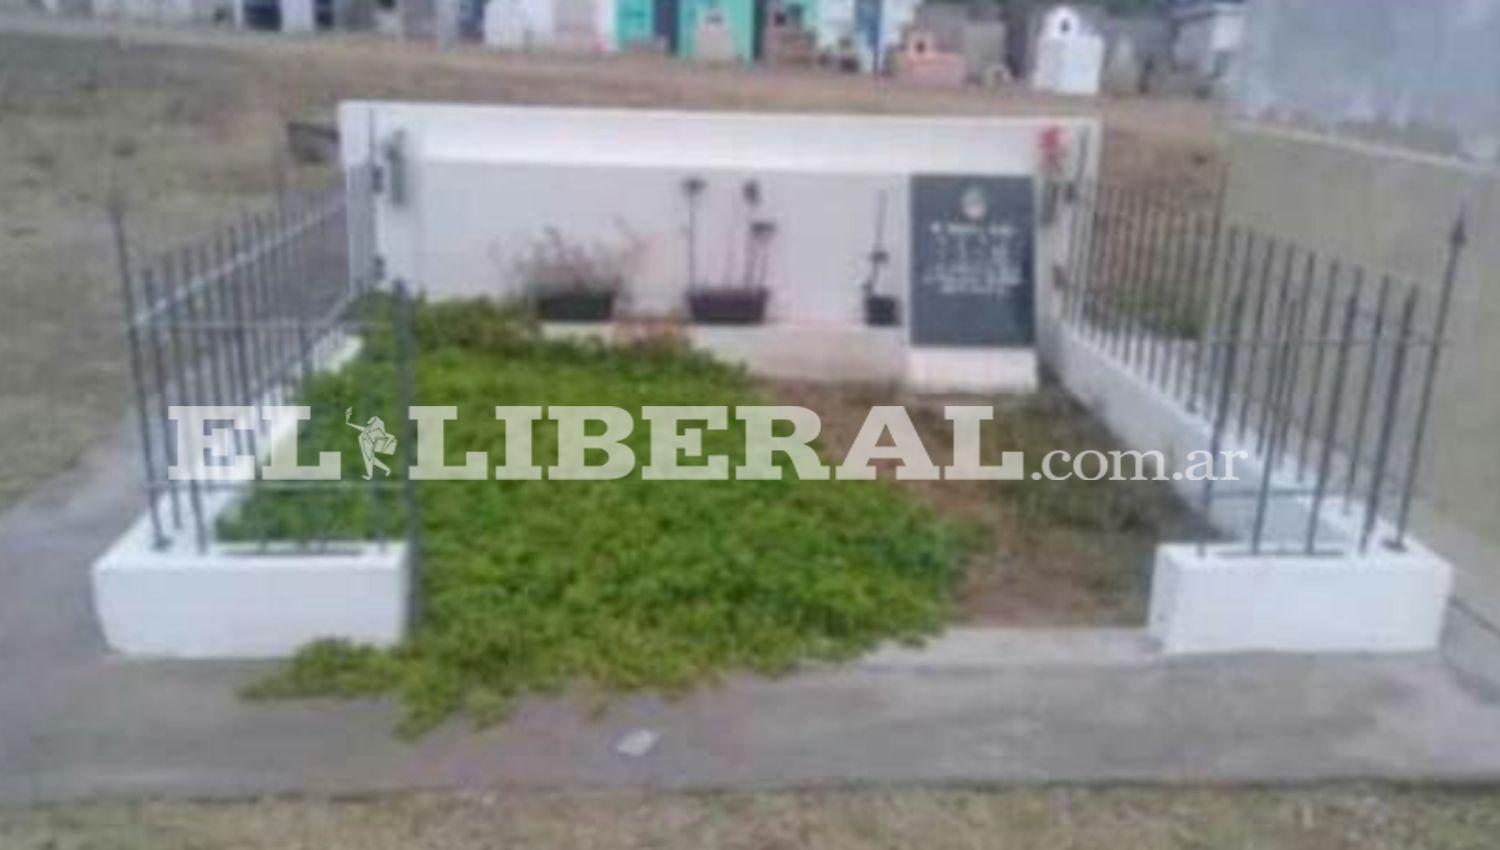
{"x":1323,"y":369}
{"x":246,"y":316}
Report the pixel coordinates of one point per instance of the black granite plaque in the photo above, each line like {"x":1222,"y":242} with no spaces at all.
{"x":971,"y":260}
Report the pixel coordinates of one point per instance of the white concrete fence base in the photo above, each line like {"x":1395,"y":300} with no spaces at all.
{"x":1229,"y":601}
{"x":241,"y":600}
{"x":231,"y":602}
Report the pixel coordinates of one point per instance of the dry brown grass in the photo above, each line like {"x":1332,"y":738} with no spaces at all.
{"x":190,"y":126}
{"x":1049,"y":553}
{"x":1043,"y":818}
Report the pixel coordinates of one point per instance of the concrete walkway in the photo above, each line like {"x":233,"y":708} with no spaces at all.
{"x":977,"y":706}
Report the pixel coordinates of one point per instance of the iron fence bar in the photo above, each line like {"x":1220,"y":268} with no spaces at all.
{"x":1109,"y":248}
{"x":299,"y":294}
{"x":1180,"y":291}
{"x":1138,"y":305}
{"x":1263,"y":293}
{"x":127,"y":291}
{"x":1216,"y":439}
{"x":1088,"y":213}
{"x":1174,"y":292}
{"x":1072,"y":279}
{"x":1109,"y":271}
{"x":1382,"y":295}
{"x":249,"y":244}
{"x":406,"y":390}
{"x":1187,"y":316}
{"x":1097,"y":197}
{"x":1324,"y":323}
{"x":311,"y":271}
{"x":1130,"y":277}
{"x":1335,"y":404}
{"x":1088,"y":264}
{"x":210,"y":340}
{"x":1140,"y":299}
{"x":1088,"y":210}
{"x":1388,"y":423}
{"x":1267,"y":445}
{"x":190,"y":367}
{"x":229,"y":337}
{"x":1179,"y":304}
{"x":1136,"y":282}
{"x":282,"y":263}
{"x":236,"y":298}
{"x":1303,"y":308}
{"x":276,"y":304}
{"x":1457,"y":239}
{"x":1098,"y":236}
{"x":158,"y":367}
{"x":1119,"y":285}
{"x":1220,"y":277}
{"x":1119,"y":275}
{"x":1247,"y":266}
{"x":1210,"y":300}
{"x":255,"y":224}
{"x":1277,"y":350}
{"x":1160,"y":266}
{"x":1155,"y":329}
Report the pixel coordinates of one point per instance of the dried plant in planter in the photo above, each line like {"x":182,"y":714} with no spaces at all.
{"x":738,"y":300}
{"x":577,"y":282}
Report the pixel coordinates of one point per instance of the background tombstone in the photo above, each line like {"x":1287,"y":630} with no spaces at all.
{"x":298,"y":16}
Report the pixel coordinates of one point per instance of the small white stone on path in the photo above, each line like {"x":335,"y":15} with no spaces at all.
{"x":636,"y":743}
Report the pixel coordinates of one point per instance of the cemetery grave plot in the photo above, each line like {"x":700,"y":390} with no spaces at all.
{"x":615,"y":585}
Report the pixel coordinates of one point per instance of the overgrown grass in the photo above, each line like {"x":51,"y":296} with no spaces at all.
{"x":534,"y":585}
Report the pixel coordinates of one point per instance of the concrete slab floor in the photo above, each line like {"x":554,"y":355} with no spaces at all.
{"x":975,"y":706}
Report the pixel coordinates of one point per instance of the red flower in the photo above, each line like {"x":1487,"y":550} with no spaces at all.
{"x":1052,"y":150}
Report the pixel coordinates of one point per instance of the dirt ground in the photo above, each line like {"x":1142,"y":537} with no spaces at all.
{"x":1049,"y":553}
{"x":188,"y":126}
{"x":1052,"y":818}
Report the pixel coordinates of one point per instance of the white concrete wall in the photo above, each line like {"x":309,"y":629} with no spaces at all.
{"x":817,"y":257}
{"x":481,"y":184}
{"x":484,"y":182}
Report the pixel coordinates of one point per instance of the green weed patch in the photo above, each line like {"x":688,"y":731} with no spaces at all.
{"x":536,"y":585}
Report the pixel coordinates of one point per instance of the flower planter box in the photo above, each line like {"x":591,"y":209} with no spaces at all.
{"x":581,"y":306}
{"x":882,"y":311}
{"x":731,"y":306}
